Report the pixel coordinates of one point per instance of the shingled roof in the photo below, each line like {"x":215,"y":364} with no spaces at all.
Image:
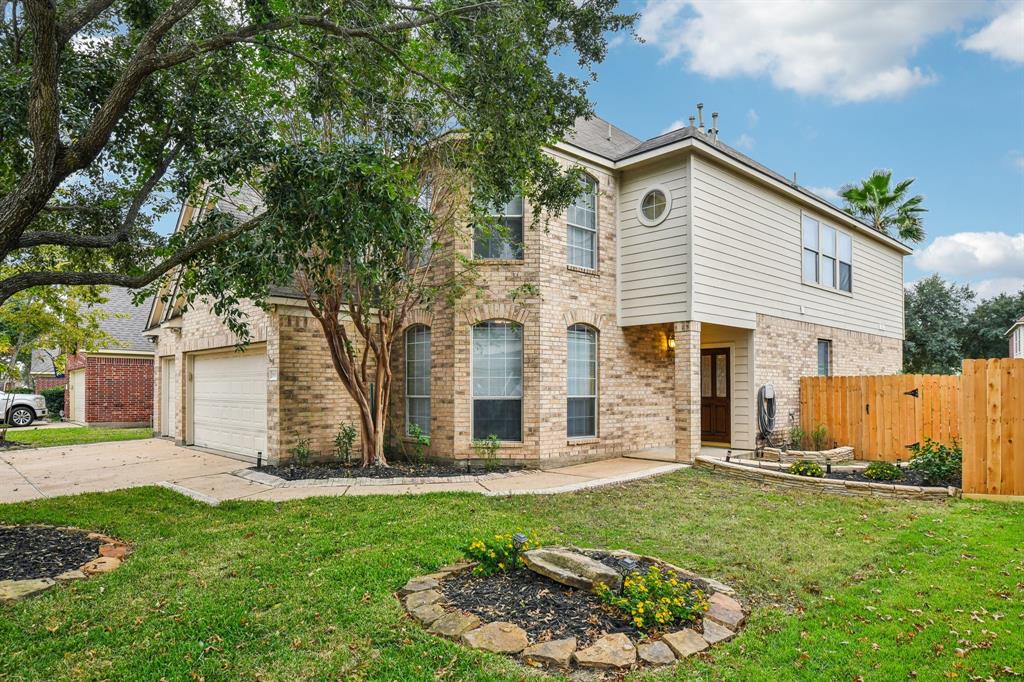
{"x":126,"y":321}
{"x":42,"y":361}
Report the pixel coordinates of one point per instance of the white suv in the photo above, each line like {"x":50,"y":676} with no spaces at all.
{"x":21,"y":409}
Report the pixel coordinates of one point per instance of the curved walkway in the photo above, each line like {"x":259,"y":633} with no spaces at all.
{"x":98,"y":467}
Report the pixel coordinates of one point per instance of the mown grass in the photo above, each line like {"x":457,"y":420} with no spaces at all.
{"x":75,"y":435}
{"x":841,"y":589}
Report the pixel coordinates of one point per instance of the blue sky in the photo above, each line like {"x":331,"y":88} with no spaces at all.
{"x":833,"y":90}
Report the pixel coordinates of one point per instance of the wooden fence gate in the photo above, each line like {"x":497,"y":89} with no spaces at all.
{"x":880,"y":416}
{"x":992,"y":402}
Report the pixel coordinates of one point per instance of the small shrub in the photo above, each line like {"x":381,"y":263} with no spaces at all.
{"x":418,"y":446}
{"x":656,"y":600}
{"x":54,"y":401}
{"x":797,"y":436}
{"x":883,"y":471}
{"x":487,"y":451}
{"x":493,"y":555}
{"x":301,"y":452}
{"x":806,"y":468}
{"x":344,"y":442}
{"x":938,"y":464}
{"x":819,"y":437}
{"x":21,"y":390}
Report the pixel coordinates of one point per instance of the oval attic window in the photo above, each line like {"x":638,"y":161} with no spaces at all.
{"x":654,"y":206}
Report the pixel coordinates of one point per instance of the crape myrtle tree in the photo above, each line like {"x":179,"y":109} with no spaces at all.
{"x":387,"y":155}
{"x":114,"y":111}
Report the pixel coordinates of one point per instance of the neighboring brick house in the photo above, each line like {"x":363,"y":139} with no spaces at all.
{"x":113,"y":385}
{"x":44,"y":374}
{"x":1015,"y":335}
{"x":684,"y":278}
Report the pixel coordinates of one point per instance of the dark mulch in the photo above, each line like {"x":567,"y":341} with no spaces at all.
{"x":323,"y":470}
{"x":627,"y":565}
{"x":910,"y":477}
{"x":545,"y":609}
{"x":40,"y":552}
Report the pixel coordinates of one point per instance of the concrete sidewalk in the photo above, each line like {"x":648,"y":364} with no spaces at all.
{"x":98,"y":467}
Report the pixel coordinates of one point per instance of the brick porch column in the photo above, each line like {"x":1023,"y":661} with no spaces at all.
{"x":687,"y":390}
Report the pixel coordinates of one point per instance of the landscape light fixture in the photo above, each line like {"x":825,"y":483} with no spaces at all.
{"x":519,"y":539}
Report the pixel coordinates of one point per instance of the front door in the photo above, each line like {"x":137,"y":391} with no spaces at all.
{"x":715,"y":412}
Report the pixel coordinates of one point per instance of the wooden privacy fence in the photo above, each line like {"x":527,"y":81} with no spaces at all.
{"x":881,"y":415}
{"x":992,"y":433}
{"x":983,"y":409}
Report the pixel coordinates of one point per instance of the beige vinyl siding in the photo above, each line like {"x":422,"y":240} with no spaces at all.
{"x":652,"y":261}
{"x":747,"y":260}
{"x":742,"y":392}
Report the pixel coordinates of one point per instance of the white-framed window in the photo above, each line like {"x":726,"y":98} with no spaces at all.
{"x":824,"y":357}
{"x":827,"y":256}
{"x":498,"y":380}
{"x":581,"y":407}
{"x":655,"y":205}
{"x":505,"y":242}
{"x":417,"y":378}
{"x":582,"y":221}
{"x":426,"y":202}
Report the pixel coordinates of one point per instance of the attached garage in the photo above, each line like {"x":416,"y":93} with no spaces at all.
{"x":229,"y":402}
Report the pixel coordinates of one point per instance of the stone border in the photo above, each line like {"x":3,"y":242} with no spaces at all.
{"x":112,"y":553}
{"x":424,"y":603}
{"x":278,"y":482}
{"x":840,"y":454}
{"x":781,"y":479}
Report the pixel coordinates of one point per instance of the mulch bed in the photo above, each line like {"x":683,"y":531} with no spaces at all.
{"x":546,"y":609}
{"x":910,"y":477}
{"x":324,"y":470}
{"x":28,"y":552}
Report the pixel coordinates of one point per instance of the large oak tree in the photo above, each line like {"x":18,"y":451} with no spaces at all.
{"x":113,"y":112}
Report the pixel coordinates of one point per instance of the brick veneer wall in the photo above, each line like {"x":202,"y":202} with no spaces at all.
{"x":118,"y":389}
{"x":786,"y":350}
{"x":43,"y":383}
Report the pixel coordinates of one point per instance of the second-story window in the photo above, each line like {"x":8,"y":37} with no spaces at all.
{"x":582,"y":220}
{"x":505,"y":242}
{"x":827,"y":256}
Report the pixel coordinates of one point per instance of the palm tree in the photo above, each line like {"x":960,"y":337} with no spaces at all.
{"x":887,"y":208}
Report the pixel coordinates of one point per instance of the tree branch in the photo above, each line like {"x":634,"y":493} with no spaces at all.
{"x":25,"y":280}
{"x":78,"y":18}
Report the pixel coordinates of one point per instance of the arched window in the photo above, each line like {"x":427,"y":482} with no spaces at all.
{"x":498,"y":380}
{"x":417,"y":378}
{"x":581,"y":409}
{"x":505,"y":242}
{"x":582,"y":220}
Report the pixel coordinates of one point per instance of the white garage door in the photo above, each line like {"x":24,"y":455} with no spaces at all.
{"x":229,"y":402}
{"x":76,"y":403}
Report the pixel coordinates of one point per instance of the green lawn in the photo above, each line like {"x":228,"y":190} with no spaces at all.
{"x":842,"y":589}
{"x":74,"y":435}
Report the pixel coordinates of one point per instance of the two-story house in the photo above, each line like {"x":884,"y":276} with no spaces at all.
{"x":684,"y":277}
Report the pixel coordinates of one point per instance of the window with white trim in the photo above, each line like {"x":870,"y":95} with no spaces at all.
{"x":417,"y":378}
{"x":582,"y":220}
{"x":498,"y":380}
{"x":426,"y":202}
{"x":505,"y":240}
{"x":581,"y":407}
{"x":827,"y":256}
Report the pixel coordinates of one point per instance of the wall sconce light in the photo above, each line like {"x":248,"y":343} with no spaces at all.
{"x":671,"y":343}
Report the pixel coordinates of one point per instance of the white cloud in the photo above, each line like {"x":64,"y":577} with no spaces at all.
{"x":847,"y":51}
{"x":1017,"y":159}
{"x":752,"y":118}
{"x":1003,"y":38}
{"x":678,"y":123}
{"x":744,"y":142}
{"x":987,"y":288}
{"x":974,"y":256}
{"x":828,"y":193}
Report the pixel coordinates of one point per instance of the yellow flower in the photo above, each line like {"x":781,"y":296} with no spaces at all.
{"x":639,"y":621}
{"x":501,"y":566}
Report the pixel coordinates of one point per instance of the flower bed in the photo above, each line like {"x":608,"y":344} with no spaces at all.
{"x":35,"y":558}
{"x":562,"y":607}
{"x":842,"y":481}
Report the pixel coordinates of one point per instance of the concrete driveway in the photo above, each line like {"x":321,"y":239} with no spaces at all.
{"x":98,"y":467}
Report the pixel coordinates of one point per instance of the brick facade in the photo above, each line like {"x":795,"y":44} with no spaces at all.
{"x":118,"y":388}
{"x":44,"y":382}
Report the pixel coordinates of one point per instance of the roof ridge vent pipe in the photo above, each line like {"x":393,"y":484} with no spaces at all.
{"x":692,"y":119}
{"x":609,"y":132}
{"x":700,"y":115}
{"x":714,"y":126}
{"x":794,"y":179}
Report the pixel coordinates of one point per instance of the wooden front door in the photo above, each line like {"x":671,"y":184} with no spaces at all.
{"x":715,"y":410}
